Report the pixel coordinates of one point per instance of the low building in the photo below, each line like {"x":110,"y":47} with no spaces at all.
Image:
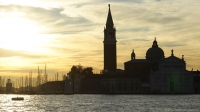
{"x":196,"y":81}
{"x":77,"y":82}
{"x":103,"y":84}
{"x":172,"y":76}
{"x":120,"y":85}
{"x":145,"y":88}
{"x":9,"y":86}
{"x":90,"y":84}
{"x":68,"y":86}
{"x":52,"y":87}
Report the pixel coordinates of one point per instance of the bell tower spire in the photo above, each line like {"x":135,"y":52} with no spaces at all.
{"x":109,"y":22}
{"x":110,"y":52}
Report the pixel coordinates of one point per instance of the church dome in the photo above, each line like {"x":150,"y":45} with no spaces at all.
{"x":154,"y":52}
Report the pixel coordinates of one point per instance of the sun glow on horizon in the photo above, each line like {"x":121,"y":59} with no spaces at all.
{"x":21,"y":34}
{"x":23,"y":44}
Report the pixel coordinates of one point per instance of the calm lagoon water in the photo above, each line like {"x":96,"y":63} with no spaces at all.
{"x":101,"y":103}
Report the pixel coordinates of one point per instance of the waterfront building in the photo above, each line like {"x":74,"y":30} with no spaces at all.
{"x":52,"y":87}
{"x":103,"y":83}
{"x":77,"y":82}
{"x":120,"y":85}
{"x":68,"y":86}
{"x":9,"y":86}
{"x":196,"y":81}
{"x":91,"y":84}
{"x":172,"y":76}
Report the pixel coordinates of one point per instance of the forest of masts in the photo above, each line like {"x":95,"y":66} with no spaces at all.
{"x":28,"y":82}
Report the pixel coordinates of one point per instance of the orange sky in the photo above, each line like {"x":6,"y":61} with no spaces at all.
{"x":62,"y":33}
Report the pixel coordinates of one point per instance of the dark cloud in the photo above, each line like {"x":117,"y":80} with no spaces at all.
{"x":124,"y":42}
{"x":163,"y":19}
{"x":141,"y":29}
{"x":147,"y":16}
{"x":135,"y":1}
{"x":97,"y":2}
{"x":141,"y":39}
{"x":173,"y":44}
{"x":132,"y":41}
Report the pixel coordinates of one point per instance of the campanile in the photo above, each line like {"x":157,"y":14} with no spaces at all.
{"x":110,"y":52}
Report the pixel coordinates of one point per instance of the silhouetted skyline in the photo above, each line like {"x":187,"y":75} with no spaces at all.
{"x":65,"y":33}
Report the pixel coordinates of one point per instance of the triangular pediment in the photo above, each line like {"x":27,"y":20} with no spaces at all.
{"x":173,"y":59}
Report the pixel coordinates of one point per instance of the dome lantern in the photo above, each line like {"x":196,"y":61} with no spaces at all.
{"x":154,"y":52}
{"x":133,"y":55}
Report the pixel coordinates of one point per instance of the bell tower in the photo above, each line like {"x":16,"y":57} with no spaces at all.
{"x":110,"y":52}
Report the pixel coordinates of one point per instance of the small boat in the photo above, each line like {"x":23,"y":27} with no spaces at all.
{"x":18,"y":98}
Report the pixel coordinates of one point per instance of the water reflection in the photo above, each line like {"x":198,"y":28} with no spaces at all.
{"x":8,"y":105}
{"x":63,"y":103}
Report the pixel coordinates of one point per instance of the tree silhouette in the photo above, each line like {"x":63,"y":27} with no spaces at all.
{"x":76,"y":69}
{"x":87,"y":71}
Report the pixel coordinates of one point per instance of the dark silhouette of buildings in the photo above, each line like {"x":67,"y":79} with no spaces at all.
{"x":8,"y":86}
{"x":155,"y":74}
{"x":52,"y":87}
{"x":196,"y":81}
{"x":142,"y":67}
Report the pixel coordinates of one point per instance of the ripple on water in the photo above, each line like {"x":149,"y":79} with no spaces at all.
{"x":63,"y":103}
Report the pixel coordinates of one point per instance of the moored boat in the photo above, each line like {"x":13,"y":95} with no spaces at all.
{"x":18,"y":98}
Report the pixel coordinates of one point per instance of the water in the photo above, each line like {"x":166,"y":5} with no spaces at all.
{"x":101,"y":103}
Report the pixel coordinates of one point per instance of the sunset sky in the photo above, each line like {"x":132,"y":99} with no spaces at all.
{"x":62,"y":33}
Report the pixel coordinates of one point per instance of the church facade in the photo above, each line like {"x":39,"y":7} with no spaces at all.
{"x":172,"y":76}
{"x":164,"y":75}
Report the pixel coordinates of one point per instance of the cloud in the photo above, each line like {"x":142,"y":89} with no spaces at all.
{"x":53,"y":19}
{"x":163,"y":20}
{"x":140,"y":29}
{"x":134,"y":1}
{"x":23,"y":54}
{"x":78,"y":29}
{"x":173,"y":44}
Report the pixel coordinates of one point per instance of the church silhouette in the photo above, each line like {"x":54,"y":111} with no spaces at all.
{"x":155,"y":74}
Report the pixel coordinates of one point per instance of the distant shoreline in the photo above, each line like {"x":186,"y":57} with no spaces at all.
{"x":101,"y":94}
